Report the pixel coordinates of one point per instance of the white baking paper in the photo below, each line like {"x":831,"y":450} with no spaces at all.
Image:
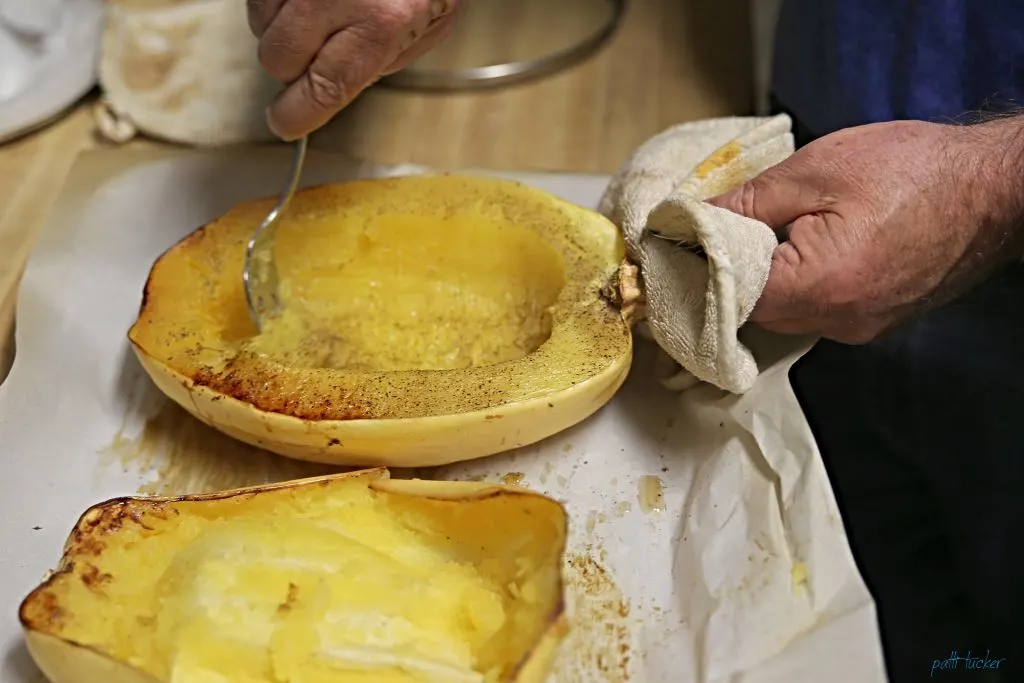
{"x":705,"y":546}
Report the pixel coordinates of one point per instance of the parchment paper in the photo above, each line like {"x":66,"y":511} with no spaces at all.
{"x":706,"y":545}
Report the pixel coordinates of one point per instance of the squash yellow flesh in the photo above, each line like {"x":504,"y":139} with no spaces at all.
{"x":462,"y":312}
{"x":391,"y":296}
{"x":342,"y":579}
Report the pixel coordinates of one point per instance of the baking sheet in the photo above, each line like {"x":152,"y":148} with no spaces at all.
{"x":705,"y":541}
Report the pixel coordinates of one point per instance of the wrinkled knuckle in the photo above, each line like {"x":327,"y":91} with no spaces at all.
{"x":394,"y":17}
{"x":326,"y":92}
{"x":439,"y":11}
{"x":748,"y":198}
{"x":440,"y":8}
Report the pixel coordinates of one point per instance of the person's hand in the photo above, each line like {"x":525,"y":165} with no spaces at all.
{"x":328,"y":51}
{"x":883,"y":221}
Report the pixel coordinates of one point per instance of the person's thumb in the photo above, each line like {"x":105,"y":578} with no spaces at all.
{"x":776,"y":197}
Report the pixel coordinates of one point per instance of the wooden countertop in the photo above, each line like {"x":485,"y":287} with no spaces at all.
{"x":671,"y":61}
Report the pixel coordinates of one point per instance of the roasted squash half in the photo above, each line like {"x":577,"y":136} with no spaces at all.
{"x":340,"y":579}
{"x":428,"y":319}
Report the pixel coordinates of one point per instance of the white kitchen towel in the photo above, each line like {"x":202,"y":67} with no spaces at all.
{"x":702,"y":268}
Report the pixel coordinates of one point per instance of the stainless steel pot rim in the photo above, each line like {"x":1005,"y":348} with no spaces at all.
{"x":478,"y":77}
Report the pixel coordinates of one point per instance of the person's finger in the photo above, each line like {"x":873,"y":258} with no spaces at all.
{"x":782,"y":299}
{"x":346,"y":64}
{"x":291,"y":42}
{"x":437,"y":33}
{"x":261,"y":14}
{"x":776,"y":197}
{"x":795,"y":290}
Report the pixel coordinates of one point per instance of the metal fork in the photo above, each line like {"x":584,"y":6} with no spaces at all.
{"x":260,"y":273}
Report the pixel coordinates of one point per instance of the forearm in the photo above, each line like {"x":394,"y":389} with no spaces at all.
{"x":992,"y":179}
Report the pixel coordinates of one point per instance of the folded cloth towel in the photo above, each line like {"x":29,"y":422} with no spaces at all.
{"x":702,"y":268}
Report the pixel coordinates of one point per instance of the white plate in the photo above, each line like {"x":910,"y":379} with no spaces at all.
{"x":40,"y":78}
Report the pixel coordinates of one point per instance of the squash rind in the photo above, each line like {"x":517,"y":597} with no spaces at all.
{"x":406,"y":418}
{"x":409,"y":442}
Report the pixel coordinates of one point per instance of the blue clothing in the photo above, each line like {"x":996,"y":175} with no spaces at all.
{"x":840,"y":63}
{"x":920,"y":434}
{"x":920,"y":429}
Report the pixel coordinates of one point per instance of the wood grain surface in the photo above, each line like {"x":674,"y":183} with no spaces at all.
{"x":671,"y":61}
